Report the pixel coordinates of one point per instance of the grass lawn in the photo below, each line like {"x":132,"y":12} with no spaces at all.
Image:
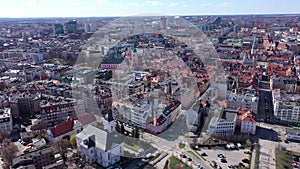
{"x":284,"y":159}
{"x":257,"y":154}
{"x":181,"y":145}
{"x":197,"y":155}
{"x":135,"y":148}
{"x":175,"y":163}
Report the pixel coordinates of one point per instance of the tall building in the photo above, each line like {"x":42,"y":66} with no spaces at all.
{"x":70,"y":27}
{"x":58,"y":28}
{"x":163,"y":23}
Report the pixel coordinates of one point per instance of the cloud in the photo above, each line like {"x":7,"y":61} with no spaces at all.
{"x":173,"y":4}
{"x":224,"y":4}
{"x":154,"y":3}
{"x":101,"y":2}
{"x":136,"y":4}
{"x":204,"y":5}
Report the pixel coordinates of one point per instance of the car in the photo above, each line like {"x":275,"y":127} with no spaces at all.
{"x":247,"y":152}
{"x":242,"y":165}
{"x":246,"y":160}
{"x":286,"y":141}
{"x":223,"y":160}
{"x":221,"y":156}
{"x":189,"y":159}
{"x":183,"y":155}
{"x":203,"y":154}
{"x":230,"y":167}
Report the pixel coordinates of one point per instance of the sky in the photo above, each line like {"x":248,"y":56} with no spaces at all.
{"x":91,"y":8}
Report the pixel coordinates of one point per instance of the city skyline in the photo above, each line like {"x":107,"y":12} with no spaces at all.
{"x":96,"y":8}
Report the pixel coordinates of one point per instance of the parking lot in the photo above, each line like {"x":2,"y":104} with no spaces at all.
{"x":233,"y":157}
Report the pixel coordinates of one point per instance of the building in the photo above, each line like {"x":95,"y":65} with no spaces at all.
{"x":225,"y":125}
{"x":70,"y":27}
{"x":140,"y":113}
{"x":286,"y":106}
{"x":242,"y":101}
{"x":56,"y":109}
{"x":100,"y":146}
{"x":38,"y":159}
{"x":293,"y":134}
{"x":28,"y":104}
{"x":159,"y":123}
{"x":187,"y":97}
{"x":64,"y":129}
{"x":58,"y":29}
{"x":87,"y":119}
{"x":6,"y":121}
{"x":246,"y":121}
{"x":104,"y":98}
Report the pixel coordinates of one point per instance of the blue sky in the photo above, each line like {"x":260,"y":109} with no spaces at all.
{"x":86,"y":8}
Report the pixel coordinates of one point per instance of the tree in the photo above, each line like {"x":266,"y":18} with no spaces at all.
{"x":3,"y":134}
{"x":61,"y":146}
{"x":8,"y":152}
{"x":40,"y":126}
{"x":73,"y":141}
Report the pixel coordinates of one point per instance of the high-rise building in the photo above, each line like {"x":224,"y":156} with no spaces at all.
{"x":163,"y":23}
{"x":70,"y":27}
{"x":58,"y":29}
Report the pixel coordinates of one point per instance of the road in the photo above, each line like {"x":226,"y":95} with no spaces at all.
{"x":267,"y":154}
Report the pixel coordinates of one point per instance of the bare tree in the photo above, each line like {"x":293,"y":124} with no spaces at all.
{"x":8,"y":152}
{"x":3,"y":134}
{"x":61,"y":146}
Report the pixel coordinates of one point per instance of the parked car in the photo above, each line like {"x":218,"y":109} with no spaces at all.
{"x":242,"y":165}
{"x":223,"y":160}
{"x":183,"y":155}
{"x":246,"y":160}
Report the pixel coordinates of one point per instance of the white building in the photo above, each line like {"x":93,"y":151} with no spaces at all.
{"x":239,"y":101}
{"x":248,"y":125}
{"x":286,"y":106}
{"x":224,"y":125}
{"x":6,"y":120}
{"x":140,"y":113}
{"x":100,"y":146}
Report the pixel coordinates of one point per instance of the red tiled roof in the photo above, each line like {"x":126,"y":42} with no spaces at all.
{"x":248,"y":119}
{"x":63,"y":127}
{"x":86,"y":119}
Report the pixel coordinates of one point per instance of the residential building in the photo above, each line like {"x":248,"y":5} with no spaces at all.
{"x":100,"y":146}
{"x":64,"y":129}
{"x":286,"y":106}
{"x":6,"y":121}
{"x":246,"y":121}
{"x":87,"y":119}
{"x":56,"y":109}
{"x":140,"y":113}
{"x":293,"y":134}
{"x":38,"y":158}
{"x":242,"y":101}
